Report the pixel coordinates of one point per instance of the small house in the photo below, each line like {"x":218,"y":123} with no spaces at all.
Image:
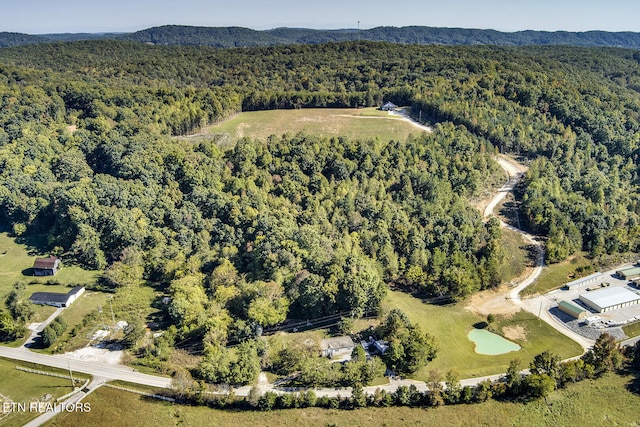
{"x":338,"y":346}
{"x":46,"y":266}
{"x":389,"y":106}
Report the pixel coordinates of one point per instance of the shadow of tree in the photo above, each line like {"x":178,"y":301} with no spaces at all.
{"x":480,"y":325}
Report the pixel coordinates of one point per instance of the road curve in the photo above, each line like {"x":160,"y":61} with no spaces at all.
{"x":541,"y":308}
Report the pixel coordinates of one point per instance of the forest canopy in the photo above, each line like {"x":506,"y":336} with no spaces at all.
{"x":303,"y":226}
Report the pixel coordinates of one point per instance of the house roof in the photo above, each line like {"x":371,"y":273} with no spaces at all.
{"x":75,"y":290}
{"x":337,"y":343}
{"x":52,"y":297}
{"x":46,"y":263}
{"x":55,"y":297}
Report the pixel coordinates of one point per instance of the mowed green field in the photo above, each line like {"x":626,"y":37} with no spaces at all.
{"x":364,"y":123}
{"x":450,"y":325}
{"x":24,"y":387}
{"x":16,"y":261}
{"x":587,"y":403}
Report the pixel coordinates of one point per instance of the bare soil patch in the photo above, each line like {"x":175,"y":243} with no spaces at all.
{"x":99,"y":354}
{"x":515,"y":333}
{"x":492,"y":301}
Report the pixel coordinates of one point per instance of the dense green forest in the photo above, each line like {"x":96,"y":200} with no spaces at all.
{"x":302,"y":226}
{"x":228,"y":37}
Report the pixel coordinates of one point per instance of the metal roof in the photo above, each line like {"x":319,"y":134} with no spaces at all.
{"x":584,"y":279}
{"x":572,"y":307}
{"x":608,"y":297}
{"x":46,"y":263}
{"x":52,"y":297}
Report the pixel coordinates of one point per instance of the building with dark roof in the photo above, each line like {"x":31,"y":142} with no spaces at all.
{"x":46,"y":266}
{"x":57,"y":299}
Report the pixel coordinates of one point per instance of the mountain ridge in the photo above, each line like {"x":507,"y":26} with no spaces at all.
{"x":235,"y":36}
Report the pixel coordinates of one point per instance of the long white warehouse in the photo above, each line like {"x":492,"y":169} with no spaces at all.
{"x":609,"y":298}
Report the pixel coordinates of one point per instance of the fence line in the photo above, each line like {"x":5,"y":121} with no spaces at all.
{"x":142,"y":393}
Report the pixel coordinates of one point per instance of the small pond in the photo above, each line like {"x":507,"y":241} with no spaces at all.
{"x":490,"y":343}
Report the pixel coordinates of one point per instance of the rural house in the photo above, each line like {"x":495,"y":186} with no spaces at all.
{"x":46,"y":266}
{"x":57,"y":299}
{"x":389,"y":106}
{"x":338,"y":346}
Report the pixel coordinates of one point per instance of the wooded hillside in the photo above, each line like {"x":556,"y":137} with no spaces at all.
{"x":303,"y":225}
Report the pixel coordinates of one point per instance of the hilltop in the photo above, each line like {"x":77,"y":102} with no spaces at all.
{"x":225,"y":37}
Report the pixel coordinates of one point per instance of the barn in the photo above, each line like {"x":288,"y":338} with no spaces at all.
{"x":46,"y":266}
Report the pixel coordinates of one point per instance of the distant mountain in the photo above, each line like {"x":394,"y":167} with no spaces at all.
{"x":240,"y":37}
{"x":19,"y":39}
{"x":205,"y":36}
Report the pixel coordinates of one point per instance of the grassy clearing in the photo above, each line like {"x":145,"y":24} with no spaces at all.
{"x":586,"y":403}
{"x":365,"y":123}
{"x":23,"y":387}
{"x":16,"y":261}
{"x":632,"y":330}
{"x":518,"y":256}
{"x":556,"y":275}
{"x":451,"y":324}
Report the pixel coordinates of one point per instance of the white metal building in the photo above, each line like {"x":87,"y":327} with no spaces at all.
{"x":610,"y":298}
{"x":583,"y":280}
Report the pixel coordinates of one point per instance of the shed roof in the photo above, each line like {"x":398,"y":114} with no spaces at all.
{"x":46,"y":263}
{"x":631,"y":271}
{"x":584,"y":279}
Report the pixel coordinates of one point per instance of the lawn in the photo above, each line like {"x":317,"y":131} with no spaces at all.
{"x":585,"y":403}
{"x":450,"y":325}
{"x":16,"y":260}
{"x":632,"y":330}
{"x":556,"y":275}
{"x":364,"y":123}
{"x":23,"y":387}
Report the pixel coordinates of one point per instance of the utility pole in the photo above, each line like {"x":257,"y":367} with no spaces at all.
{"x":101,"y":316}
{"x":358,"y":30}
{"x":540,"y":313}
{"x":113,"y":318}
{"x":73,"y":383}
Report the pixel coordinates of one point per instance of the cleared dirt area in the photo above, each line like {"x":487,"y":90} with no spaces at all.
{"x":97,"y":354}
{"x":517,"y":332}
{"x":492,"y":301}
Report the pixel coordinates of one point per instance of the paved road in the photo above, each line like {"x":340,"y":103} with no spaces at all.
{"x":35,"y":332}
{"x":72,"y":404}
{"x":96,"y":370}
{"x":126,"y":374}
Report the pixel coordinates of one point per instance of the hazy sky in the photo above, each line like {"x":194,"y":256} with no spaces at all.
{"x":58,"y":16}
